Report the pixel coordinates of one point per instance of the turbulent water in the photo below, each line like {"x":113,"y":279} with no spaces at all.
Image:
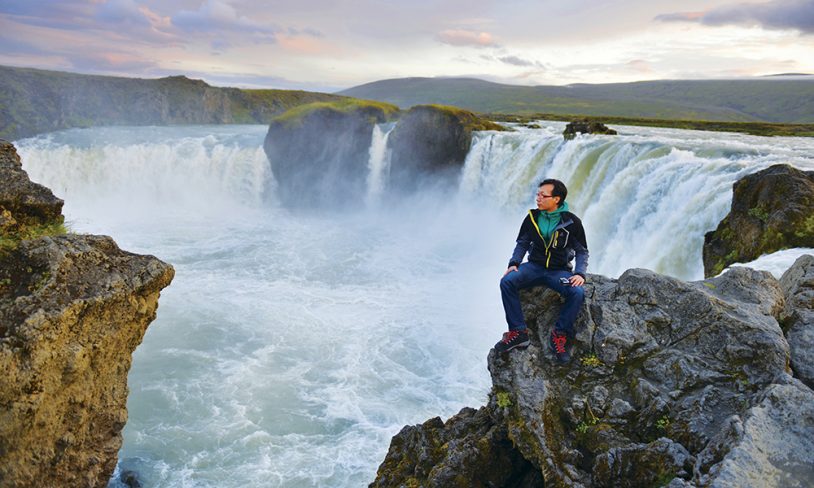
{"x":292,"y":346}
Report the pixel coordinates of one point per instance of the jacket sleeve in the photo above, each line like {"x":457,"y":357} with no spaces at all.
{"x":523,"y":243}
{"x":580,"y":250}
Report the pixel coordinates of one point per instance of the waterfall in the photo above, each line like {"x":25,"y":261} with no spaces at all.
{"x":646,"y":197}
{"x":379,"y":162}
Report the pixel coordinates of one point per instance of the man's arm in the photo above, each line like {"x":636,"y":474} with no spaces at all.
{"x":523,"y":243}
{"x":580,"y":250}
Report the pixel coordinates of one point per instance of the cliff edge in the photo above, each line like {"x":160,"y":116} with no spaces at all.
{"x":672,"y":383}
{"x":73,"y":308}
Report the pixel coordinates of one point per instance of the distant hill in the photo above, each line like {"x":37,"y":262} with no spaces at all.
{"x":764,"y":99}
{"x":33,"y":101}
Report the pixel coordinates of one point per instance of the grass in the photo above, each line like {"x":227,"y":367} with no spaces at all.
{"x":346,"y":105}
{"x":10,"y":241}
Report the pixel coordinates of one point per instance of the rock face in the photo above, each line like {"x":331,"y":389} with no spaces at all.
{"x":34,"y":101}
{"x":319,"y":153}
{"x":798,"y":317}
{"x":586,"y":127}
{"x":72,"y":310}
{"x":772,"y":209}
{"x":469,"y":451}
{"x":671,"y":382}
{"x":23,"y":203}
{"x":430,"y":143}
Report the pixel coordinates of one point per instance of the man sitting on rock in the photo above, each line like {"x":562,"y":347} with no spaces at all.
{"x":552,"y":236}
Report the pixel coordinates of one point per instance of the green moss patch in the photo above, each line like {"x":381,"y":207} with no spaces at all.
{"x":295,"y":115}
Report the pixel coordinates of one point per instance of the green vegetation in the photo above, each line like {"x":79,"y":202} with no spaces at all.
{"x":503,"y":399}
{"x":759,"y":213}
{"x":590,"y":360}
{"x":34,"y":101}
{"x":663,"y":423}
{"x":470,"y":120}
{"x":344,"y":105}
{"x":753,"y":128}
{"x":749,"y":100}
{"x":9,"y":241}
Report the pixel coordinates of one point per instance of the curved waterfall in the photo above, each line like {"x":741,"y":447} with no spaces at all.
{"x":292,"y":346}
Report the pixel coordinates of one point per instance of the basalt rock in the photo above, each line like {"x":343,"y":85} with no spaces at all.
{"x":772,"y":209}
{"x":672,"y":383}
{"x":469,"y":451}
{"x":72,"y":310}
{"x":586,"y":126}
{"x":429,"y":145}
{"x":319,"y":153}
{"x":798,"y":317}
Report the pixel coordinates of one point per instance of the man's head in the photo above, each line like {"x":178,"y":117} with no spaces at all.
{"x":551,"y":194}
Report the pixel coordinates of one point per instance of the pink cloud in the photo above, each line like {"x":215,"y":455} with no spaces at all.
{"x":462,"y":37}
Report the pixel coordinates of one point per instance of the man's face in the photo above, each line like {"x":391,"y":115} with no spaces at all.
{"x":545,"y":201}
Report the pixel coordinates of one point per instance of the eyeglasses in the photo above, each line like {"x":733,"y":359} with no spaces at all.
{"x":545,"y":196}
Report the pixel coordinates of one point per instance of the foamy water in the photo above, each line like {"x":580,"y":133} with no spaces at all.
{"x":291,"y":347}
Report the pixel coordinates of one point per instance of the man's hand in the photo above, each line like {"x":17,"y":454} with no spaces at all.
{"x":511,"y":268}
{"x":577,"y":280}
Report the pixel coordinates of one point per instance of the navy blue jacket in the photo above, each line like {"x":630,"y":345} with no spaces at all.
{"x":567,"y":242}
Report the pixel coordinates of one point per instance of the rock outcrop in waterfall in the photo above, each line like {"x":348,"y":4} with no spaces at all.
{"x":772,"y":209}
{"x":320,"y":153}
{"x":429,"y":145}
{"x":672,"y":383}
{"x":72,"y":310}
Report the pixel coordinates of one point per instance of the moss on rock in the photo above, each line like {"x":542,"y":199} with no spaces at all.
{"x":771,"y":210}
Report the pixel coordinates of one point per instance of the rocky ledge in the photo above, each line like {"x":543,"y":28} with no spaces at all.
{"x":73,"y":308}
{"x":672,"y":383}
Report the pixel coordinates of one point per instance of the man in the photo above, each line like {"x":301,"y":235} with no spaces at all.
{"x":552,"y":236}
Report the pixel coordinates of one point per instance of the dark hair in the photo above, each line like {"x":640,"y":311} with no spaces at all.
{"x":559,"y":189}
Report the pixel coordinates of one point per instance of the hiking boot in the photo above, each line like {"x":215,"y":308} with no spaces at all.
{"x":513,"y":339}
{"x":557,"y":342}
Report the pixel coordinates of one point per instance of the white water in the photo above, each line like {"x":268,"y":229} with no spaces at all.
{"x":291,"y":348}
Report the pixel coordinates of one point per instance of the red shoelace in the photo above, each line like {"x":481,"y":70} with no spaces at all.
{"x":509,"y":336}
{"x":559,"y":342}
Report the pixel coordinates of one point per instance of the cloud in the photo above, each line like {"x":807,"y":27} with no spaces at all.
{"x":517,"y":61}
{"x":776,"y":14}
{"x":463,"y":37}
{"x":219,"y":16}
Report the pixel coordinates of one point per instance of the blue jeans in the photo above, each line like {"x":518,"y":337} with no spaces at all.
{"x":529,"y":275}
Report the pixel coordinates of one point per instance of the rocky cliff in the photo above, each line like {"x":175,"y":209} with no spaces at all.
{"x":35,"y":101}
{"x":772,"y":209}
{"x":319,"y":152}
{"x":73,"y":308}
{"x":672,"y":383}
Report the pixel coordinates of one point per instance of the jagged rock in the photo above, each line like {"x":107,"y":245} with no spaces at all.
{"x":798,"y":316}
{"x":761,"y":223}
{"x":684,"y":356}
{"x":22,"y":202}
{"x":469,"y":451}
{"x":429,"y":145}
{"x":72,"y":310}
{"x":77,"y":309}
{"x":319,"y":153}
{"x":672,"y":384}
{"x":586,"y":126}
{"x":772,"y":446}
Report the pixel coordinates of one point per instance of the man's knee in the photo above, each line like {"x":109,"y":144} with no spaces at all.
{"x":508,"y":282}
{"x":576,"y":292}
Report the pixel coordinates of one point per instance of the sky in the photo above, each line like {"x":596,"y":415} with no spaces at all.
{"x":329,"y":45}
